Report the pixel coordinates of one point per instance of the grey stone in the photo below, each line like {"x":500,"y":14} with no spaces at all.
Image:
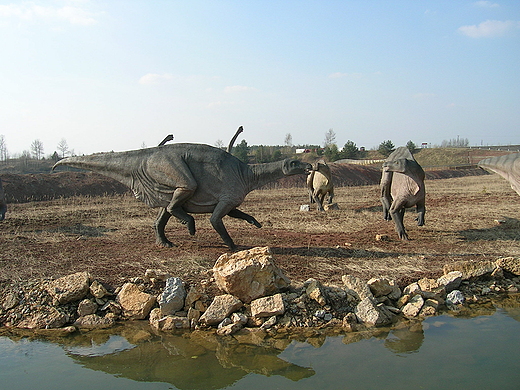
{"x":455,"y":298}
{"x":369,"y":312}
{"x":172,"y":297}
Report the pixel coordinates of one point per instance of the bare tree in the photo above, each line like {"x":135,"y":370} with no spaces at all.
{"x":330,"y":138}
{"x":37,"y":148}
{"x":288,"y":140}
{"x":3,"y":148}
{"x":63,"y":147}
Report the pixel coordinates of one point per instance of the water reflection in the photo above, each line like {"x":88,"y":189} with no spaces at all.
{"x":202,"y":360}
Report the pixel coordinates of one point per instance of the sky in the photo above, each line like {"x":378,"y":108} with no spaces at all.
{"x":123,"y":74}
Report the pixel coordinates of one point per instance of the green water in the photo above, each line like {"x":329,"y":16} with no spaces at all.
{"x":477,"y":350}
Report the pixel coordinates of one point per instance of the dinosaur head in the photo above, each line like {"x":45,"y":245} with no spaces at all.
{"x":295,"y":167}
{"x":399,"y":165}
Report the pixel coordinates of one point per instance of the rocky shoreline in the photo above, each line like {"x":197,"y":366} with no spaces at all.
{"x":244,"y":292}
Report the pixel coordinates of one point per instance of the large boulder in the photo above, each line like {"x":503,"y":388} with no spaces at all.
{"x":136,"y":305}
{"x":249,"y":274}
{"x":70,"y":288}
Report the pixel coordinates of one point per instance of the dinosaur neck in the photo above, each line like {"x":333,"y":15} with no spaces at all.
{"x":267,"y":172}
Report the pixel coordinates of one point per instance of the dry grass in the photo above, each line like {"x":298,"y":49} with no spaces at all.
{"x":112,"y":238}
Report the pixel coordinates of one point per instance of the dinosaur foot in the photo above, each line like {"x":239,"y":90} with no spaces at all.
{"x":164,"y":243}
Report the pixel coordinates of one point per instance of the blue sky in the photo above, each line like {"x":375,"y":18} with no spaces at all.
{"x":117,"y":75}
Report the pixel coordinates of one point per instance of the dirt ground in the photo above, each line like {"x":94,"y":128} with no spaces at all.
{"x":467,"y":218}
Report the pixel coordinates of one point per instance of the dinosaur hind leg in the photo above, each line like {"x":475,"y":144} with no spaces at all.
{"x":236,"y":213}
{"x":221,"y":210}
{"x":159,"y":225}
{"x":180,"y":196}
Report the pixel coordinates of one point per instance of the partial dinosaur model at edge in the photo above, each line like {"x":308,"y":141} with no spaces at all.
{"x":507,"y":166}
{"x":3,"y":204}
{"x":319,"y":184}
{"x":188,"y":178}
{"x":402,"y":186}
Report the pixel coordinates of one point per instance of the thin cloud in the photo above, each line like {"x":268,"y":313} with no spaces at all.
{"x":29,"y":11}
{"x":339,"y":75}
{"x":154,"y":78}
{"x":238,"y":88}
{"x":489,"y":28}
{"x":486,"y":4}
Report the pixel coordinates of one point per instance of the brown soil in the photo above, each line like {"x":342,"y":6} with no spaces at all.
{"x":111,"y":236}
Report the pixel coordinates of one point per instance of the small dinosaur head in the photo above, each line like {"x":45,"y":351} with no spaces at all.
{"x":295,"y":167}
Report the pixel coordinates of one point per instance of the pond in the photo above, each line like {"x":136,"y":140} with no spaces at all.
{"x":477,"y":348}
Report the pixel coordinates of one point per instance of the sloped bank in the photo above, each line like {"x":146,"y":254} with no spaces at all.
{"x":245,"y":293}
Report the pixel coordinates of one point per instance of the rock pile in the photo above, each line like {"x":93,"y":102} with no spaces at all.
{"x":254,"y":294}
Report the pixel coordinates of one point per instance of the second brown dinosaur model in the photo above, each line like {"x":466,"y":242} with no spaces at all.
{"x":188,"y":178}
{"x":402,"y":186}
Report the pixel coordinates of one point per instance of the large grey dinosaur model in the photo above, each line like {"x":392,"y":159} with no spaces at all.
{"x":319,"y":184}
{"x":402,"y":186}
{"x":507,"y":166}
{"x":188,"y":178}
{"x":3,"y":204}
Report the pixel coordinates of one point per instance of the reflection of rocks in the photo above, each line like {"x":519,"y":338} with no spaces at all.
{"x":405,"y":338}
{"x":269,"y":302}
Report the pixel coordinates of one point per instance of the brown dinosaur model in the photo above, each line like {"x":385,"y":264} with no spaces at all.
{"x":507,"y":166}
{"x":3,"y":204}
{"x":402,"y":186}
{"x":319,"y":184}
{"x":188,"y":178}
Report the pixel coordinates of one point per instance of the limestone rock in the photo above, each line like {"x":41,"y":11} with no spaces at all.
{"x":315,"y":291}
{"x":135,"y":304}
{"x":369,"y":312}
{"x":194,"y":294}
{"x":172,"y":297}
{"x":70,"y":288}
{"x":305,"y":207}
{"x":268,"y":306}
{"x":86,"y":307}
{"x":471,"y":269}
{"x":414,"y":306}
{"x":97,"y":290}
{"x":412,"y":289}
{"x":10,"y":301}
{"x":48,"y":318}
{"x":154,"y":275}
{"x":93,"y":321}
{"x":451,"y":281}
{"x":509,"y":264}
{"x":358,"y":286}
{"x":168,"y":322}
{"x":249,"y":274}
{"x":380,"y":287}
{"x":221,"y":307}
{"x":429,"y":308}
